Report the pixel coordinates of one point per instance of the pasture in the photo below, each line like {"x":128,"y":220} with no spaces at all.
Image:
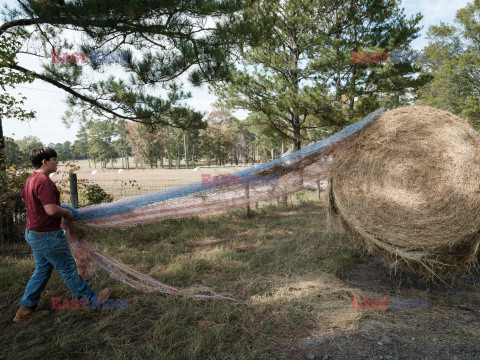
{"x":294,"y":280}
{"x":136,"y":181}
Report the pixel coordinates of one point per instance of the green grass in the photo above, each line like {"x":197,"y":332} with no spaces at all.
{"x":275,"y":261}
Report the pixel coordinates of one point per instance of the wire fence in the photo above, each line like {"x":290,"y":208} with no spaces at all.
{"x":119,"y":189}
{"x":13,"y":211}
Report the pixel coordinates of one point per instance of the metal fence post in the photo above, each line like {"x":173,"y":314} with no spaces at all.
{"x":73,"y":190}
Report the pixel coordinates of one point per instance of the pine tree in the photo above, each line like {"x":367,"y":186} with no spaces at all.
{"x":302,"y":79}
{"x":453,"y":59}
{"x":159,"y":41}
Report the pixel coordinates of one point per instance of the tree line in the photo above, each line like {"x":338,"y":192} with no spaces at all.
{"x":223,"y":139}
{"x":288,"y":63}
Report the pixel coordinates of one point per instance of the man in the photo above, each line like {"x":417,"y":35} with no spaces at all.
{"x":47,"y":240}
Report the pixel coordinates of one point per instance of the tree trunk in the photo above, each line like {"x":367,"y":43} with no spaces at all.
{"x":296,"y":82}
{"x":168,"y":150}
{"x":186,"y":149}
{"x":3,"y":156}
{"x":354,"y":77}
{"x":178,"y":153}
{"x":193,"y":155}
{"x":297,"y":142}
{"x":3,"y":169}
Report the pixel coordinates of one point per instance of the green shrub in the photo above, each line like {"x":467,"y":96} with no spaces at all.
{"x":301,"y":196}
{"x":94,"y":194}
{"x":12,"y":208}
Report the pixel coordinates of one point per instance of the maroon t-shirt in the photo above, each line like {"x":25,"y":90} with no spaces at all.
{"x":40,"y":190}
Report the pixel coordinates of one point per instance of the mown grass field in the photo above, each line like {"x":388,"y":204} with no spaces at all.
{"x":281,"y":263}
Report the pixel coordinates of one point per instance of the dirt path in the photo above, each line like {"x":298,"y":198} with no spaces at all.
{"x":448,"y":329}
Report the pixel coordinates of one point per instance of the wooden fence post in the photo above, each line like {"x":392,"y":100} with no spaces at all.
{"x":73,"y":190}
{"x":247,"y":194}
{"x":319,"y":189}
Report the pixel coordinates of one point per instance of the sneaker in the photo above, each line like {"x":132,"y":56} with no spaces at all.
{"x":26,"y":313}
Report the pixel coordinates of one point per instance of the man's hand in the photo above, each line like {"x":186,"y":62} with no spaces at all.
{"x":56,"y":211}
{"x":73,"y":212}
{"x":68,"y":215}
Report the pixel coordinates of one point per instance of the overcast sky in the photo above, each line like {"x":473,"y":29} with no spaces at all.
{"x":48,"y":101}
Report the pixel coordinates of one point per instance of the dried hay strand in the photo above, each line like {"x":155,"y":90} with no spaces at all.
{"x":407,"y":187}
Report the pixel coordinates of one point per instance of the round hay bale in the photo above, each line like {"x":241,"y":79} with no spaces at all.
{"x":407,"y":187}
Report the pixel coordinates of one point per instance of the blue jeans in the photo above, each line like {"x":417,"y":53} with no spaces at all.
{"x":51,"y":250}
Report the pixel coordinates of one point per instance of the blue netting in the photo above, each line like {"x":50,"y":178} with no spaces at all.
{"x":102,"y":211}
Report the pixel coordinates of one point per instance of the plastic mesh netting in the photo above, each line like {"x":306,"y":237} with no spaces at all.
{"x":303,"y":169}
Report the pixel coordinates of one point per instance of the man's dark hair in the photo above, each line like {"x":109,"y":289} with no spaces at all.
{"x":41,"y":153}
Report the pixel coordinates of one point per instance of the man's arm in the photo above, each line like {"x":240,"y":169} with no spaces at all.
{"x":56,"y":211}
